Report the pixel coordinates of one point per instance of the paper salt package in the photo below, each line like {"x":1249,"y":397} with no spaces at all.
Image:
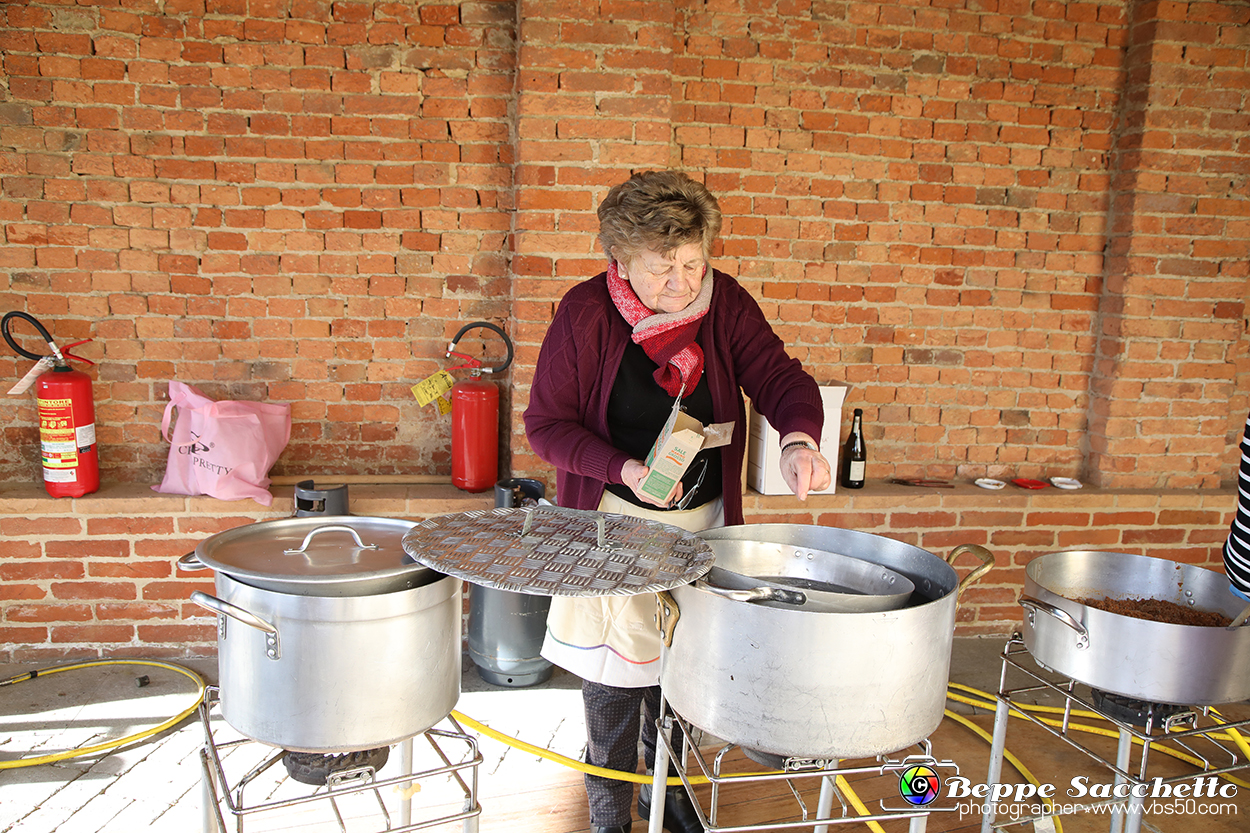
{"x":682,"y":438}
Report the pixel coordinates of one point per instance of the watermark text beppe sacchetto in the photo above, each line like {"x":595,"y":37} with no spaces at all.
{"x":1197,"y":797}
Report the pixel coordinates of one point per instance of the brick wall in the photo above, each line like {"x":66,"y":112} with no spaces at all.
{"x":1018,"y":230}
{"x":299,"y":201}
{"x":1167,"y":400}
{"x":924,"y":196}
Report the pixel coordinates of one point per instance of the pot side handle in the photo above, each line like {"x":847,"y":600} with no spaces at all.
{"x":1032,"y":604}
{"x":237,"y":613}
{"x":763,"y":593}
{"x":979,"y":552}
{"x":666,"y":615}
{"x":191,"y":561}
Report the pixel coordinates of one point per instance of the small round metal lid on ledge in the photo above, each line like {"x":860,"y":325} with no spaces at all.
{"x":552,"y":551}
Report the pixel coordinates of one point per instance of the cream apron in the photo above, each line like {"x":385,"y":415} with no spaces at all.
{"x":614,"y":640}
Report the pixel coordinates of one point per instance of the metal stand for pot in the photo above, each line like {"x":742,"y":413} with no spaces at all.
{"x":216,"y":789}
{"x":795,"y":770}
{"x":1180,"y":729}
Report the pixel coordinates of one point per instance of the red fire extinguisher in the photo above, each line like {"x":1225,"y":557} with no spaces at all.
{"x":475,"y":418}
{"x":71,"y":458}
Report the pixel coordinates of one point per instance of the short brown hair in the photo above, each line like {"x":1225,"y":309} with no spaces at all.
{"x":660,"y":211}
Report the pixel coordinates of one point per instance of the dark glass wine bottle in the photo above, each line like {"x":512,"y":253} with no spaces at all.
{"x":854,"y":454}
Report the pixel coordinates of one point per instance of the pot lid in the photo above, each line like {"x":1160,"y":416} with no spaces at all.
{"x":312,"y":552}
{"x":552,"y":551}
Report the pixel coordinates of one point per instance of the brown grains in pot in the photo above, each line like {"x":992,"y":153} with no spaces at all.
{"x":1158,"y":610}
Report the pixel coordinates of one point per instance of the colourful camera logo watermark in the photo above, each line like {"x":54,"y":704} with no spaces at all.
{"x":919,"y":785}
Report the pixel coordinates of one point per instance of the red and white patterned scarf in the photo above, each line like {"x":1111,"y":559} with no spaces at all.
{"x":666,"y":337}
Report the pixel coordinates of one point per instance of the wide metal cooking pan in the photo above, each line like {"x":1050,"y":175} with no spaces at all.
{"x":1152,"y":661}
{"x":793,"y":682}
{"x":831,"y":582}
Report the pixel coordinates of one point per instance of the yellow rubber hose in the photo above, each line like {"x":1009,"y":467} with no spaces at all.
{"x":119,"y":742}
{"x":564,"y":760}
{"x":982,"y":700}
{"x":989,"y":702}
{"x":859,"y":806}
{"x":1236,"y":736}
{"x":633,"y":778}
{"x":1014,"y":761}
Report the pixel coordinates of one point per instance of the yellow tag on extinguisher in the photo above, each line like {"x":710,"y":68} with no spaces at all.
{"x":432,"y":388}
{"x":444,"y":405}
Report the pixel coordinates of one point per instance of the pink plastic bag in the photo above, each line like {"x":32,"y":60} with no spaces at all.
{"x":222,"y":449}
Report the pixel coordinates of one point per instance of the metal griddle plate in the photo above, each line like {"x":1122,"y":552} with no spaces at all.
{"x":551,"y":551}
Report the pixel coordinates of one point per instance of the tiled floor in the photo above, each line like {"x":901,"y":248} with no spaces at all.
{"x":156,"y":784}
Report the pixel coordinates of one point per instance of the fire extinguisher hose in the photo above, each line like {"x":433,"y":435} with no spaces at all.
{"x":499,"y":368}
{"x":34,"y":322}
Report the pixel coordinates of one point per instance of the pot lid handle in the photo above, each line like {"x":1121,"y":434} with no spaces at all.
{"x":301,"y":550}
{"x":600,"y":520}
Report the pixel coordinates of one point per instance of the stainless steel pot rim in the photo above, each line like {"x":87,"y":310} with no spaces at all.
{"x":1185,"y":584}
{"x":346,"y":607}
{"x":932,"y":576}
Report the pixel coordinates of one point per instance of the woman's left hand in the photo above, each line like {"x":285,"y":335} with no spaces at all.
{"x":803,"y":469}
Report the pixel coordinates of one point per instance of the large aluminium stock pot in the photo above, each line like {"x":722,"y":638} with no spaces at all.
{"x":796,"y":683}
{"x":329,"y":639}
{"x":1158,"y":662}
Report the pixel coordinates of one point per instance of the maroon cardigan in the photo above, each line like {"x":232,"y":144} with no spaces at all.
{"x":566,"y":420}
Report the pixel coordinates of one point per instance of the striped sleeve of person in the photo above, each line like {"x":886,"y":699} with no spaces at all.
{"x":1237,"y":547}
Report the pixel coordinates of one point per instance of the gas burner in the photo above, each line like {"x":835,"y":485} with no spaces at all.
{"x":787,"y":763}
{"x":768,"y":760}
{"x":315,"y":768}
{"x":1132,"y":711}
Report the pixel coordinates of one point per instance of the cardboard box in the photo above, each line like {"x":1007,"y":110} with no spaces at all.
{"x":764,"y":446}
{"x":683,"y":437}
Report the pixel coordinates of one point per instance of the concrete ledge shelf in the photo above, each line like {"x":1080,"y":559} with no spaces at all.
{"x":389,"y":499}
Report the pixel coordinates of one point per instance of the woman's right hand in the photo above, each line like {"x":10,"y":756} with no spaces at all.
{"x":632,"y":475}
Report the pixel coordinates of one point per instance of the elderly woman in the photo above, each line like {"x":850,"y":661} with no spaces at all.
{"x":658,"y":325}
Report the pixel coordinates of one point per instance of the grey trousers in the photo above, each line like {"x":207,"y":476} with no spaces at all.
{"x":615,"y":720}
